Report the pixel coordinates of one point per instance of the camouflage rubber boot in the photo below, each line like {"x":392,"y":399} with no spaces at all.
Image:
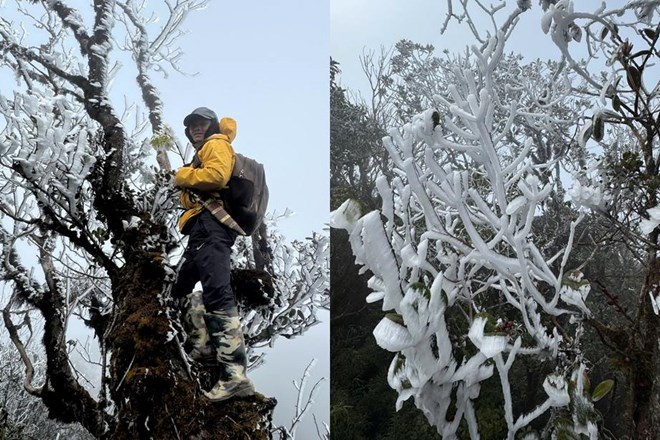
{"x":227,"y":337}
{"x":199,"y":343}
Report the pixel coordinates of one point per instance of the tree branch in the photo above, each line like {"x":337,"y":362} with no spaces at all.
{"x":149,"y":92}
{"x":71,"y":19}
{"x":16,"y":340}
{"x":24,"y":53}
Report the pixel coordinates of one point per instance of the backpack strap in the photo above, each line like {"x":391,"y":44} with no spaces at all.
{"x":218,"y":210}
{"x":215,"y":206}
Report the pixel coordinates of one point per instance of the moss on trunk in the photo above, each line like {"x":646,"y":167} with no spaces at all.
{"x":155,"y":394}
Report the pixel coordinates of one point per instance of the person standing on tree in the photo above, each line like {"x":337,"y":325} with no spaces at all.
{"x":215,"y":327}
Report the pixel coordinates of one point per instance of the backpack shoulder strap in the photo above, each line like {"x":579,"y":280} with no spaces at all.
{"x":215,"y":206}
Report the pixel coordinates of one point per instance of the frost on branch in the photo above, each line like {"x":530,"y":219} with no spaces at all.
{"x":476,"y":225}
{"x":47,"y":154}
{"x":83,"y":203}
{"x":453,"y":254}
{"x":300,"y":277}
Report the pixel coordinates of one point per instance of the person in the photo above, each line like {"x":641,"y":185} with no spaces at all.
{"x":215,"y":327}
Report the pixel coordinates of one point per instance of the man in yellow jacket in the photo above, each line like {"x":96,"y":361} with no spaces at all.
{"x":213,"y":321}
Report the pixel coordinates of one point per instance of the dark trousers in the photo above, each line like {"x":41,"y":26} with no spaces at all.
{"x":207,"y":259}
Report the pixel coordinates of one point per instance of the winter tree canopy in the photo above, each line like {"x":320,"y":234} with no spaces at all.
{"x":87,"y":227}
{"x":496,"y":180}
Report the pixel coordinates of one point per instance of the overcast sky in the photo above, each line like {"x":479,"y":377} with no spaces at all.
{"x":367,"y":25}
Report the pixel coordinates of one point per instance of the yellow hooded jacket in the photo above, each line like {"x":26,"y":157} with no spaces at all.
{"x":217,"y":157}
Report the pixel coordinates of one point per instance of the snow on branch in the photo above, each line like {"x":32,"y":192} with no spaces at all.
{"x":453,"y":252}
{"x":302,"y":287}
{"x":303,"y":405}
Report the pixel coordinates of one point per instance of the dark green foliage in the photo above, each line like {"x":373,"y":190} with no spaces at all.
{"x":363,"y":405}
{"x":356,"y":154}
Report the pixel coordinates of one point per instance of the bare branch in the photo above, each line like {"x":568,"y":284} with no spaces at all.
{"x":22,"y":53}
{"x":142,"y":54}
{"x":71,"y":19}
{"x":13,"y":335}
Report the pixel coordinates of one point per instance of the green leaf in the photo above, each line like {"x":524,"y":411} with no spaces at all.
{"x":395,"y":317}
{"x":491,"y":323}
{"x":599,"y":128}
{"x":650,"y":33}
{"x":574,"y":279}
{"x":566,"y":434}
{"x":602,"y":389}
{"x":564,"y":429}
{"x":162,"y":141}
{"x":563,"y":422}
{"x":586,"y":384}
{"x":634,"y":77}
{"x":421,"y":287}
{"x":400,"y":362}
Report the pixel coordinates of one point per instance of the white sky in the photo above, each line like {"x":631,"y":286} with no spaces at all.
{"x":370,"y":24}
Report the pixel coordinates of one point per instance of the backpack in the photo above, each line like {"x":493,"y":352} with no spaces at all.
{"x":246,"y":195}
{"x":245,"y":199}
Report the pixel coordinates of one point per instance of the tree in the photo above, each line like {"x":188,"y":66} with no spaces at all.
{"x":360,"y":399}
{"x":81,"y":195}
{"x":355,"y":156}
{"x":23,"y":416}
{"x":472,"y":282}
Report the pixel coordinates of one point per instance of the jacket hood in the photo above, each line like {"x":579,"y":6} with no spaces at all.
{"x":226,"y":129}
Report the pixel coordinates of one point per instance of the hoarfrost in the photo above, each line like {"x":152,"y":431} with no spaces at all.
{"x":489,"y":346}
{"x":588,"y":196}
{"x":392,"y":336}
{"x":655,"y":303}
{"x":557,"y":390}
{"x":647,"y":226}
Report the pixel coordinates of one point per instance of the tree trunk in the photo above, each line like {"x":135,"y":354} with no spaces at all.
{"x":646,"y":343}
{"x":156,"y":394}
